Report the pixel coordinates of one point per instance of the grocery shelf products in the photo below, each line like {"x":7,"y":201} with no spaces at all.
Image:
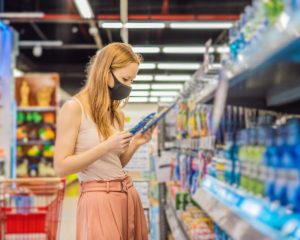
{"x":36,"y":95}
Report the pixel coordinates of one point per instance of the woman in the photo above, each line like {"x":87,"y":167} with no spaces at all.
{"x":91,"y":141}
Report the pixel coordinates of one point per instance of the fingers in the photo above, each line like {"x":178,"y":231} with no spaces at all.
{"x":126,"y":141}
{"x":126,"y":134}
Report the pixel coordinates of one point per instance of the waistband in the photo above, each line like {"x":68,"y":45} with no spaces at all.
{"x":116,"y":185}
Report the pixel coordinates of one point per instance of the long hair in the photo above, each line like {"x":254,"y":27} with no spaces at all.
{"x":103,"y":110}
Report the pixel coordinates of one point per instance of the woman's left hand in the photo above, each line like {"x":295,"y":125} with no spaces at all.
{"x":142,"y":138}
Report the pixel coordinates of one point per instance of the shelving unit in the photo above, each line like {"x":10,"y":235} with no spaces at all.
{"x":261,"y":80}
{"x":178,"y":230}
{"x":37,"y":109}
{"x":228,"y":206}
{"x":36,"y":123}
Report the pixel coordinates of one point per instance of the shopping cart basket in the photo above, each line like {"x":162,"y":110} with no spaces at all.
{"x":30,"y":208}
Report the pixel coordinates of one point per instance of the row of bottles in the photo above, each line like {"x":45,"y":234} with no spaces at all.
{"x":263,"y":160}
{"x":245,"y":36}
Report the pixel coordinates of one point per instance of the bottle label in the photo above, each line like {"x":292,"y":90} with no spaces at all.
{"x":271,"y":173}
{"x":293,"y":175}
{"x":262,"y":173}
{"x":281,"y":177}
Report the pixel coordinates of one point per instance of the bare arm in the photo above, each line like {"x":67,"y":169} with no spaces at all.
{"x":127,"y":155}
{"x":65,"y":162}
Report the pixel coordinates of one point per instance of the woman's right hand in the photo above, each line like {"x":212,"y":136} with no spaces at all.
{"x":119,"y":142}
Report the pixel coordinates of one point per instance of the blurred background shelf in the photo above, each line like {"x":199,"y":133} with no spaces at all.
{"x":178,"y":230}
{"x":229,"y":207}
{"x":37,"y":109}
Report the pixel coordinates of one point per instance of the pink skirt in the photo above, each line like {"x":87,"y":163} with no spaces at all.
{"x":110,"y":210}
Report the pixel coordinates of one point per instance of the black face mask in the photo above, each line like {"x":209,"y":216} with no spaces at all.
{"x":119,"y":91}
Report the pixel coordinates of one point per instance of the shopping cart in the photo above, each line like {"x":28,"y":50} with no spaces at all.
{"x":30,"y":209}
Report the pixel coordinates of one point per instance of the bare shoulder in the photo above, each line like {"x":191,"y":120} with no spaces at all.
{"x":70,"y":108}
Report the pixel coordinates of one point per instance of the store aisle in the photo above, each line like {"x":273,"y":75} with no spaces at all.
{"x":68,"y":223}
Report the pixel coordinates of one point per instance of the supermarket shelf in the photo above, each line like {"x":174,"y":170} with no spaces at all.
{"x":229,"y":207}
{"x":34,"y":158}
{"x":35,"y":142}
{"x":37,"y":109}
{"x":175,"y":224}
{"x":207,"y":94}
{"x":269,"y":78}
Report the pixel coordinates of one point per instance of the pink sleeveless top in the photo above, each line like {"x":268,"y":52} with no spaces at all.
{"x":109,"y":166}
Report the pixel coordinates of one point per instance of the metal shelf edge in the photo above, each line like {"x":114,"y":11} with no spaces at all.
{"x":176,"y":226}
{"x":223,"y":215}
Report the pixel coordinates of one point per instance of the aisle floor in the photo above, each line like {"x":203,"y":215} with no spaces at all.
{"x":68,"y":223}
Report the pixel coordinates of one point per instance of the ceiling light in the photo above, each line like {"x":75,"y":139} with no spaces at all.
{"x":179,"y":50}
{"x":223,"y":49}
{"x":144,"y":78}
{"x":41,"y":43}
{"x":144,"y":25}
{"x":22,"y":15}
{"x":84,"y":8}
{"x":37,"y":51}
{"x":216,"y":65}
{"x":201,"y":25}
{"x":163,"y":93}
{"x":179,"y":66}
{"x":167,"y":99}
{"x":18,"y":73}
{"x":140,"y":86}
{"x":146,"y":49}
{"x":138,"y":99}
{"x":147,"y":66}
{"x":166,"y":86}
{"x":153,"y":99}
{"x":139,"y":94}
{"x":117,"y":25}
{"x":172,"y":77}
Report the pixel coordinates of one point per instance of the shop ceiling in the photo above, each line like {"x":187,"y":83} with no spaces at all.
{"x":55,"y":37}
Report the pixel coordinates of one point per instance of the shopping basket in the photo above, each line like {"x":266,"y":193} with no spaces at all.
{"x":30,"y":208}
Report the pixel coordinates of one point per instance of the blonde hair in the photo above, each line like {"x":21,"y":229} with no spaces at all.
{"x":110,"y":58}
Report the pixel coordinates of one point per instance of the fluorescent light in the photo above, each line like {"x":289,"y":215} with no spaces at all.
{"x":153,"y":99}
{"x":167,"y":86}
{"x":222,"y":49}
{"x":84,"y":8}
{"x":17,"y":73}
{"x":167,"y":99}
{"x":111,"y":25}
{"x":216,"y":65}
{"x":143,"y":25}
{"x":163,"y":93}
{"x":22,"y":15}
{"x":179,"y":50}
{"x":139,"y":94}
{"x":144,"y":78}
{"x":201,"y":25}
{"x":140,"y":25}
{"x":40,"y":43}
{"x":138,"y":99}
{"x":172,"y":77}
{"x":140,"y":86}
{"x":147,"y":66}
{"x":146,"y":49}
{"x":179,"y":66}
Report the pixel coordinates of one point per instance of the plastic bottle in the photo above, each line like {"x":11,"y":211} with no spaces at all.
{"x":259,"y":166}
{"x":269,"y":163}
{"x":280,"y":167}
{"x":242,"y":156}
{"x":291,"y":157}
